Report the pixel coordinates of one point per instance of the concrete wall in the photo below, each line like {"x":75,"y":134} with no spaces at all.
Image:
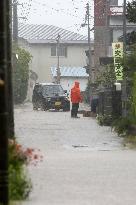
{"x":101,"y":44}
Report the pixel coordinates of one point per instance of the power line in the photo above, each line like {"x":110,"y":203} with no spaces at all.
{"x":74,"y":12}
{"x":26,"y":8}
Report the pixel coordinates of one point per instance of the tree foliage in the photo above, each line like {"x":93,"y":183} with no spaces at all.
{"x":133,"y":102}
{"x":106,"y":76}
{"x":130,"y":62}
{"x":21,"y":74}
{"x":131,"y":11}
{"x":131,"y":16}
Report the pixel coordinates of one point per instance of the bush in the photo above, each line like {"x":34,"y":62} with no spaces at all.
{"x":19,"y":184}
{"x":104,"y":119}
{"x":21,"y":75}
{"x":121,"y":125}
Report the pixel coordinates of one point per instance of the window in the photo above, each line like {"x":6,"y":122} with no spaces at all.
{"x":62,"y":50}
{"x":53,"y":51}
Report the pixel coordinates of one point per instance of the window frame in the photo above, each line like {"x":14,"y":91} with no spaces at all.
{"x":62,"y":53}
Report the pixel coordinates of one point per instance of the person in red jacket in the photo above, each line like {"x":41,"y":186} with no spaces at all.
{"x":76,"y":98}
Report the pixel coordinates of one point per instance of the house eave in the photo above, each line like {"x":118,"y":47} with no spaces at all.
{"x":42,"y":41}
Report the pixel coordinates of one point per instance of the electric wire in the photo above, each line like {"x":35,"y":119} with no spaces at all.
{"x":30,"y":7}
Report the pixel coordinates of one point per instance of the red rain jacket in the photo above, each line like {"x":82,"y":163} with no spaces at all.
{"x":75,"y":94}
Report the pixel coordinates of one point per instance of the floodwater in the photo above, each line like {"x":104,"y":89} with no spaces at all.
{"x":83,"y":163}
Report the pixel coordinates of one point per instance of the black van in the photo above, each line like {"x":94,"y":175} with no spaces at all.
{"x":50,"y":96}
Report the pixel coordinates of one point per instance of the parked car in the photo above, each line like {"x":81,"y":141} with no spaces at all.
{"x":50,"y":96}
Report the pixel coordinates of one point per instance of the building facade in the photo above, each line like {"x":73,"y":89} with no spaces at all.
{"x":108,"y":28}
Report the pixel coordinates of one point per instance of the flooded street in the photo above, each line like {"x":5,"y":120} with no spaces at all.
{"x":58,"y":55}
{"x":83,"y":163}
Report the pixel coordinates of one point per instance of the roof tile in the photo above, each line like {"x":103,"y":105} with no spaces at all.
{"x":69,"y":71}
{"x":44,"y":32}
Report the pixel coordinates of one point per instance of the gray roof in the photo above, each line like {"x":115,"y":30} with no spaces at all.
{"x":46,"y":33}
{"x":69,"y":71}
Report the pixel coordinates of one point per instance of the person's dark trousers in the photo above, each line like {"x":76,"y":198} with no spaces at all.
{"x":74,"y":109}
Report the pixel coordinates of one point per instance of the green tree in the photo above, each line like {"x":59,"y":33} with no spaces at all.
{"x":107,"y":76}
{"x":21,"y":74}
{"x":133,"y":102}
{"x":131,"y":16}
{"x":131,"y":11}
{"x":131,"y":78}
{"x":130,"y":62}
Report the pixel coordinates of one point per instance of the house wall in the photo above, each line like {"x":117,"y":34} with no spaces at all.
{"x":42,"y":60}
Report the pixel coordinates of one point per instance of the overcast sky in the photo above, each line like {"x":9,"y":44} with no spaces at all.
{"x":67,"y":14}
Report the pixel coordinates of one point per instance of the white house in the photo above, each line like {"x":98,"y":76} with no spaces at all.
{"x":41,"y":42}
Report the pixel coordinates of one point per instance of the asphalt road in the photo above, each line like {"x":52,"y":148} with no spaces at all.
{"x":83,"y":163}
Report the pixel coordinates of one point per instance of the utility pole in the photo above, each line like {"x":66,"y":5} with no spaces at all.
{"x":4,"y":55}
{"x":124,"y":86}
{"x":89,"y":64}
{"x":107,"y":33}
{"x":9,"y":73}
{"x":14,"y":26}
{"x":89,"y":41}
{"x":15,"y":22}
{"x":124,"y":26}
{"x":58,"y":57}
{"x":87,"y":22}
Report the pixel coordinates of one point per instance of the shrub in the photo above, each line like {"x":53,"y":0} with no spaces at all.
{"x":121,"y":125}
{"x":21,"y":75}
{"x":104,"y":119}
{"x":19,"y":184}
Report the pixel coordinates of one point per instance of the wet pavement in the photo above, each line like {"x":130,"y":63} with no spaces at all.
{"x":83,"y":164}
